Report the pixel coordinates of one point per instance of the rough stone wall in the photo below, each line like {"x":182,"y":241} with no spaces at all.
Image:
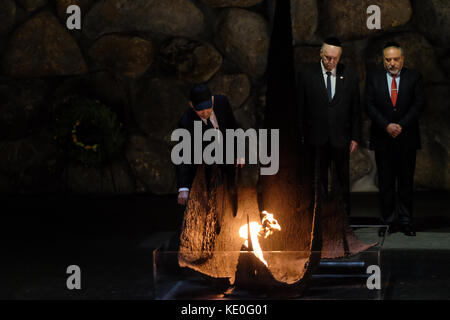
{"x":140,"y":58}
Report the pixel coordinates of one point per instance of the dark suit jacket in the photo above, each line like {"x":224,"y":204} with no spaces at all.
{"x":410,"y":101}
{"x":320,"y":120}
{"x":225,"y":118}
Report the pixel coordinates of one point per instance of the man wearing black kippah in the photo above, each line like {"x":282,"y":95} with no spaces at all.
{"x":394,"y":98}
{"x":214,"y":111}
{"x":329,"y":114}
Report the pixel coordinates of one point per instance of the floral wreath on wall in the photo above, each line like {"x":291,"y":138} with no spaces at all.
{"x":88,"y":132}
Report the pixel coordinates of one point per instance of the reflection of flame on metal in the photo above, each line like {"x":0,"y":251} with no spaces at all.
{"x":264,"y":229}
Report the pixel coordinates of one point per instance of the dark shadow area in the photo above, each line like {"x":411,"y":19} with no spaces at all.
{"x":42,"y":235}
{"x":431,"y":210}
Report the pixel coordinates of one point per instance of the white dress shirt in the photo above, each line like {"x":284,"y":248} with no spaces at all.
{"x":333,"y":78}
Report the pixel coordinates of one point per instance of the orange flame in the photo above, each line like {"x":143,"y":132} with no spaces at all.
{"x":267,"y":228}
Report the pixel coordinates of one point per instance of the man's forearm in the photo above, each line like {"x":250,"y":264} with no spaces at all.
{"x":185,"y":176}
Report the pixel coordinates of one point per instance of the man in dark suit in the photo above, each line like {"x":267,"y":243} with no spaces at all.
{"x":214,"y":111}
{"x":329,"y":114}
{"x":394,"y":98}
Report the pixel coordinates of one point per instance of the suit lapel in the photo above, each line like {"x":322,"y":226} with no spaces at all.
{"x":403,"y":79}
{"x":385,"y":85}
{"x":339,"y":83}
{"x":321,"y":82}
{"x":219,"y":115}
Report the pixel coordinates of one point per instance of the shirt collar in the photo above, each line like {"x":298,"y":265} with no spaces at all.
{"x":324,"y":71}
{"x":397,"y":75}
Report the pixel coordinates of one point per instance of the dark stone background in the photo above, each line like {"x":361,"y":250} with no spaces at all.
{"x":141,"y":57}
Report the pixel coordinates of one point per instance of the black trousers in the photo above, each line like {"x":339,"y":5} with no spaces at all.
{"x":336,"y":159}
{"x":396,"y":183}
